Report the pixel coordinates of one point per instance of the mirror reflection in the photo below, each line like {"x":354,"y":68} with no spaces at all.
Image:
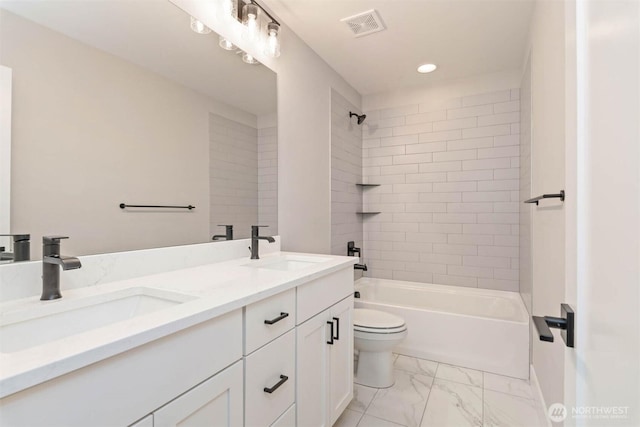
{"x":122,"y":103}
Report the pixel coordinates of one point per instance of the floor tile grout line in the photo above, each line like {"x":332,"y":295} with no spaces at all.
{"x":428,"y":397}
{"x":511,"y":394}
{"x":359,"y":419}
{"x":381,"y":419}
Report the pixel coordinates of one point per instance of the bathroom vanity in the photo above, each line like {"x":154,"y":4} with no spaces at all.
{"x":243,"y":342}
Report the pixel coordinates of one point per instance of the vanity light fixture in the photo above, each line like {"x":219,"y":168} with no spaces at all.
{"x":199,"y":27}
{"x":250,"y":20}
{"x":251,"y":15}
{"x":273,"y":41}
{"x":427,"y":68}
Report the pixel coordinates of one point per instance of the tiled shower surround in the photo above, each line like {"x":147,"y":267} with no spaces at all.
{"x":448,"y":194}
{"x":346,"y":171}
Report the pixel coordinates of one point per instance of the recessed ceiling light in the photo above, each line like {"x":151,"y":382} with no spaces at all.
{"x":427,"y":68}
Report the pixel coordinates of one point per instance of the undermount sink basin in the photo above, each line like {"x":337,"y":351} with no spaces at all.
{"x":287,"y":262}
{"x":54,"y":320}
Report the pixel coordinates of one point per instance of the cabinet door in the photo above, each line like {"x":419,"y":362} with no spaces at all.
{"x":216,"y":402}
{"x":341,"y":356}
{"x":312,"y":371}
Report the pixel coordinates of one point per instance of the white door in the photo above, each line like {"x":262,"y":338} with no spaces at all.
{"x":341,"y":354}
{"x":216,"y":402}
{"x":602,"y":373}
{"x":312,"y":371}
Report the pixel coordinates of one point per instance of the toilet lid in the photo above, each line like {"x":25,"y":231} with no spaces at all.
{"x":374,"y":319}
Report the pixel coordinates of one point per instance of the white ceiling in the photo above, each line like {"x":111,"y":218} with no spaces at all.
{"x":155,"y":34}
{"x":463,"y":37}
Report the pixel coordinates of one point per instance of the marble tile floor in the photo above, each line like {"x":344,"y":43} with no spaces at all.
{"x":431,"y":394}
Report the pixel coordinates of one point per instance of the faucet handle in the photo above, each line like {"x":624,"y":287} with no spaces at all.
{"x":17,"y":237}
{"x":52,"y":240}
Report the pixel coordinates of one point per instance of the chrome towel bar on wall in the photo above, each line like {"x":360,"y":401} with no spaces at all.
{"x":535,"y":200}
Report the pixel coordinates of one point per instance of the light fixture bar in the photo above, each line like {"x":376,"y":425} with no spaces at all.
{"x":264,"y":11}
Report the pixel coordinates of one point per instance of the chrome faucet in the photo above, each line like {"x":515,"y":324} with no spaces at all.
{"x":51,"y":260}
{"x":255,"y":238}
{"x":228,"y":233}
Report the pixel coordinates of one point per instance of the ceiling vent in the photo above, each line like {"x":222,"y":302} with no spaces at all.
{"x":364,"y":23}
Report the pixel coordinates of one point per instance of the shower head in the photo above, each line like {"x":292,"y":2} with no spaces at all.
{"x":360,"y":117}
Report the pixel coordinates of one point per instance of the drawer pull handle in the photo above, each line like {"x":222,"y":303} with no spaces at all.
{"x":277,"y":319}
{"x":283,"y":379}
{"x":337,"y":337}
{"x":330,"y":335}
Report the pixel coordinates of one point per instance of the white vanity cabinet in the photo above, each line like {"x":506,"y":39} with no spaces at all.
{"x":217,"y":401}
{"x":324,"y":350}
{"x":282,"y":361}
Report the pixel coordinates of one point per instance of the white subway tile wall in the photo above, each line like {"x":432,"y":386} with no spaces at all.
{"x":268,"y":180}
{"x":233,"y":175}
{"x":449,"y":192}
{"x":346,"y":171}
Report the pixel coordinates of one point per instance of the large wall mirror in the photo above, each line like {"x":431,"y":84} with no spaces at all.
{"x":121,"y":102}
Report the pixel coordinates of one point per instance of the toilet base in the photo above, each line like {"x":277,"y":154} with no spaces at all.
{"x":375,"y":369}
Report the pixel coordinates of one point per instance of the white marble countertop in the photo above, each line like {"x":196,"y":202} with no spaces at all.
{"x":215,"y":289}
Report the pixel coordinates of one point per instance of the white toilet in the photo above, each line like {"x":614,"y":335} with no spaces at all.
{"x":376,"y":333}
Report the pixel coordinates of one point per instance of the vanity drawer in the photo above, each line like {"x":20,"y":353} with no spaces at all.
{"x":266,"y":320}
{"x":270,"y":381}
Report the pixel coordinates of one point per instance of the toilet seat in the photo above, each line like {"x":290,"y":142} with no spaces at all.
{"x":379,"y":331}
{"x":377,"y":322}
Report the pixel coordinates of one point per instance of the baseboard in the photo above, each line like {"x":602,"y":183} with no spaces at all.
{"x":533,"y":381}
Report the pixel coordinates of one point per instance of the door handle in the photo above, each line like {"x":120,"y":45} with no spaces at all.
{"x":337,"y":337}
{"x":566,"y":323}
{"x":331,"y":334}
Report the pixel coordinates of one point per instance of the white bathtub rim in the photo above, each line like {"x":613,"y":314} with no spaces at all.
{"x":469,"y":316}
{"x":452,"y":289}
{"x":512,"y":296}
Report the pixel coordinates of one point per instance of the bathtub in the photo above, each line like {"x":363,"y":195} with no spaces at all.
{"x":475,"y":328}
